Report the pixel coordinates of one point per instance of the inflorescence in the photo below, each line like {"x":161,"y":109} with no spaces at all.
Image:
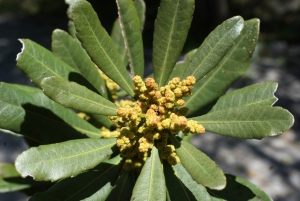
{"x":148,"y":121}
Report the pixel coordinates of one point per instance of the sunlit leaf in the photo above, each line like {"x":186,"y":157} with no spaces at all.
{"x":229,"y":69}
{"x":256,"y":94}
{"x":73,"y":95}
{"x":214,"y":48}
{"x":171,"y":28}
{"x":140,"y":8}
{"x":130,"y":25}
{"x":248,"y":122}
{"x":150,"y":184}
{"x":26,"y":110}
{"x":98,"y":44}
{"x":70,"y":51}
{"x":201,"y":168}
{"x":62,"y":160}
{"x":95,"y":184}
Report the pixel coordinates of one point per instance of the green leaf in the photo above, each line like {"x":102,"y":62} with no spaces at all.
{"x":98,"y":44}
{"x":132,"y":35}
{"x":181,"y":186}
{"x":73,"y":95}
{"x":256,"y":94}
{"x":170,"y":31}
{"x":26,"y":110}
{"x":100,"y":120}
{"x":123,"y":188}
{"x":214,"y":48}
{"x":201,"y":168}
{"x":180,"y":66}
{"x":95,"y":184}
{"x":70,"y":51}
{"x":71,"y":29}
{"x":150,"y":184}
{"x":65,"y":159}
{"x":248,"y":122}
{"x":37,"y":63}
{"x":231,"y":67}
{"x":117,"y":38}
{"x":140,"y":8}
{"x":239,"y":189}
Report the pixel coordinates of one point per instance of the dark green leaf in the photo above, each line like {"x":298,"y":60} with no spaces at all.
{"x":180,"y":66}
{"x":171,"y":28}
{"x":214,"y":48}
{"x":37,"y":63}
{"x":248,"y":122}
{"x":27,"y":111}
{"x":201,"y":168}
{"x":140,"y":8}
{"x":118,"y":40}
{"x":239,"y":189}
{"x":98,"y":44}
{"x":150,"y":184}
{"x":73,"y":95}
{"x":95,"y":184}
{"x":123,"y":188}
{"x":132,"y":35}
{"x":100,"y":120}
{"x":256,"y":94}
{"x":181,"y":186}
{"x":70,"y":51}
{"x":65,"y":159}
{"x":231,"y":67}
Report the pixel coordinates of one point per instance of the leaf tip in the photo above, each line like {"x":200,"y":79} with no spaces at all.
{"x":22,"y":50}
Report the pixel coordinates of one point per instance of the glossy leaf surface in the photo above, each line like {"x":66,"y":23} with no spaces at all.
{"x":239,"y":189}
{"x":181,"y":186}
{"x":62,"y":160}
{"x":73,"y":95}
{"x":94,"y":184}
{"x":98,"y":44}
{"x":214,"y":48}
{"x":170,"y":31}
{"x":231,"y":67}
{"x":37,"y":63}
{"x":26,"y":110}
{"x":256,"y":94}
{"x":248,"y":122}
{"x":140,"y":8}
{"x":117,"y":38}
{"x":123,"y":188}
{"x":150,"y":184}
{"x":130,"y":25}
{"x":201,"y":168}
{"x":70,"y":51}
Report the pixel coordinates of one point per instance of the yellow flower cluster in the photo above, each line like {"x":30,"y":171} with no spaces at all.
{"x":152,"y":117}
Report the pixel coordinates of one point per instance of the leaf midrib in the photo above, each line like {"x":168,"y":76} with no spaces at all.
{"x":115,"y":67}
{"x":168,"y":46}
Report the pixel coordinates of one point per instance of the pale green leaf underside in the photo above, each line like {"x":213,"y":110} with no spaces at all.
{"x":170,"y":31}
{"x":201,"y":168}
{"x":66,"y":159}
{"x":73,"y":95}
{"x":98,"y":44}
{"x":70,"y":51}
{"x":231,"y":67}
{"x":123,"y":188}
{"x":95,"y":184}
{"x":132,"y":35}
{"x":248,"y":122}
{"x":239,"y":189}
{"x":150,"y":184}
{"x":26,"y":110}
{"x":214,"y":48}
{"x":181,"y":186}
{"x":256,"y":94}
{"x":198,"y":190}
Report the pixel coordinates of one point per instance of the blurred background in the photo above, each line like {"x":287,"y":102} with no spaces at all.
{"x":272,"y":163}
